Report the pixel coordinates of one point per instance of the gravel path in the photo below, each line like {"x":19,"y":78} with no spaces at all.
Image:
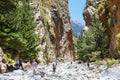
{"x":66,"y":71}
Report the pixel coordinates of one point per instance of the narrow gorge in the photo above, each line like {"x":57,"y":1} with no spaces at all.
{"x":50,"y":21}
{"x":41,"y":31}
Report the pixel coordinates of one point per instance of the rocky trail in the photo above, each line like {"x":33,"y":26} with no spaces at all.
{"x":66,"y":71}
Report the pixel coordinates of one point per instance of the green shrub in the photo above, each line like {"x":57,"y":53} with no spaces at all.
{"x":99,"y":62}
{"x":95,"y":55}
{"x":8,"y":59}
{"x":111,"y":62}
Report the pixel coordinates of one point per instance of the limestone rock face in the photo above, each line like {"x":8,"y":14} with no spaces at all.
{"x":54,"y":29}
{"x":114,"y":24}
{"x":108,"y":11}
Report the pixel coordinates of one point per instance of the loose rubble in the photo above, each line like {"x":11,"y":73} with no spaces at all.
{"x":66,"y":71}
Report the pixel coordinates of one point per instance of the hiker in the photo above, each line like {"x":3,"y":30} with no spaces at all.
{"x":17,"y":64}
{"x":34,"y":66}
{"x":88,"y":63}
{"x":20,"y":64}
{"x":71,"y":62}
{"x":56,"y":63}
{"x":54,"y":67}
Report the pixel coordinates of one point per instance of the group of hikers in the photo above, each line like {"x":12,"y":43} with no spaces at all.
{"x":25,"y":65}
{"x":29,"y":64}
{"x":32,"y":65}
{"x":19,"y":64}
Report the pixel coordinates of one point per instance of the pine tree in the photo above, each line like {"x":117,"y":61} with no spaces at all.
{"x":17,"y":31}
{"x":92,"y":40}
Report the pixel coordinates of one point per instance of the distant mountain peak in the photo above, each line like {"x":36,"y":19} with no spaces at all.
{"x":77,"y":26}
{"x":77,"y":21}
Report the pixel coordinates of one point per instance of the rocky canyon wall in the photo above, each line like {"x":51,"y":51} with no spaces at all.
{"x":108,"y":12}
{"x":54,"y":29}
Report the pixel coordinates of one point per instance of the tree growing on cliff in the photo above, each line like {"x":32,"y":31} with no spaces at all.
{"x":92,"y":40}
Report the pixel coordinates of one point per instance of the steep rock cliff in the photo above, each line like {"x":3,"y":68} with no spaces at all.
{"x":54,"y":29}
{"x":108,"y":11}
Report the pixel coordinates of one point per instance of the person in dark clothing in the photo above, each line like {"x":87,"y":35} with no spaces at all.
{"x":0,"y":69}
{"x":20,"y":63}
{"x":71,"y":62}
{"x":54,"y":67}
{"x":88,"y":63}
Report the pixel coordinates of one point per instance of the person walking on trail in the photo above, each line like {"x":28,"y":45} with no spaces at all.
{"x":54,"y":67}
{"x":34,"y":66}
{"x":88,"y":63}
{"x":17,"y":64}
{"x":20,"y":64}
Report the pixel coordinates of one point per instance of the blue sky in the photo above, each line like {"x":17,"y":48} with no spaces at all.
{"x":76,"y":8}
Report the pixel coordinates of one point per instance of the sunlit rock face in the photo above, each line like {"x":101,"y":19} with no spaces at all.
{"x":108,"y":11}
{"x":114,"y":24}
{"x":54,"y":29}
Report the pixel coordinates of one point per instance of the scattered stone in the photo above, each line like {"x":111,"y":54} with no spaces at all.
{"x":75,"y":72}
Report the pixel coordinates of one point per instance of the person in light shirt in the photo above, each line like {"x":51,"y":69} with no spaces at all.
{"x":34,"y":66}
